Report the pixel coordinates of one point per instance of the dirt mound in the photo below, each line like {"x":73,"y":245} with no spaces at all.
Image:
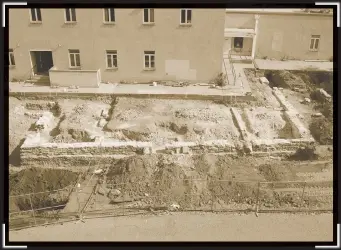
{"x":284,"y":79}
{"x":277,"y":173}
{"x":34,"y":180}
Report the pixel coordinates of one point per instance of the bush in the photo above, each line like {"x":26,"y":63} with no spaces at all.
{"x":305,"y":154}
{"x":219,"y":80}
{"x":322,"y":130}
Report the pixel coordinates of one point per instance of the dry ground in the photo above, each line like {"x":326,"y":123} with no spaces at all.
{"x":188,"y":227}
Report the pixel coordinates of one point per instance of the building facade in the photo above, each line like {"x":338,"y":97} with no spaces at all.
{"x":279,"y":34}
{"x":139,"y":45}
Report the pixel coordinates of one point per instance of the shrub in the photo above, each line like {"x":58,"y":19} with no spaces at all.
{"x":219,"y":80}
{"x":322,"y":130}
{"x":305,"y":154}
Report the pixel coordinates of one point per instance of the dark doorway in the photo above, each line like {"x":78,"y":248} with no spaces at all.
{"x":238,"y":42}
{"x":42,"y":61}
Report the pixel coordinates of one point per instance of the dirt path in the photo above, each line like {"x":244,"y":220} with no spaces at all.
{"x":188,"y":227}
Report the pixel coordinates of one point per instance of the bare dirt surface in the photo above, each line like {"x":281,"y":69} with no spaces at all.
{"x":206,"y":180}
{"x":188,"y":227}
{"x":19,"y":125}
{"x":162,"y":121}
{"x":36,"y":180}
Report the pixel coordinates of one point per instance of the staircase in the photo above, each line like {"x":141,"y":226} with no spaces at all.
{"x":39,"y":80}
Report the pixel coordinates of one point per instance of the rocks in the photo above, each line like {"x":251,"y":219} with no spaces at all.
{"x":307,"y":100}
{"x":264,"y":80}
{"x":101,"y":123}
{"x":317,"y":115}
{"x":105,"y":114}
{"x":44,"y":121}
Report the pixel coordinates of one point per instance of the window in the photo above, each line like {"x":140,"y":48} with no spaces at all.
{"x":11,"y":61}
{"x":74,"y":56}
{"x":314,"y":42}
{"x":109,"y":15}
{"x":70,"y":15}
{"x":148,"y":15}
{"x":111,"y":59}
{"x":35,"y":15}
{"x":186,"y":16}
{"x":238,"y":42}
{"x":149,"y":59}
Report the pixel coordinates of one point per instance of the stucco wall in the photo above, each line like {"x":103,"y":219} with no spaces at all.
{"x":198,"y":47}
{"x":293,"y":34}
{"x":240,"y":21}
{"x":80,"y":78}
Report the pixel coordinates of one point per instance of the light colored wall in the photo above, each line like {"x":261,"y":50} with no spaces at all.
{"x":197,"y":48}
{"x":81,"y":78}
{"x":240,"y":21}
{"x":295,"y":32}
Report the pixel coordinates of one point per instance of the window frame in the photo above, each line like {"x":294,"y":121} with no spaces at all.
{"x":74,"y":54}
{"x":11,"y":58}
{"x":112,"y":54}
{"x":314,"y":39}
{"x":36,"y":15}
{"x":70,"y":13}
{"x":186,"y":17}
{"x":151,"y":57}
{"x":111,"y":21}
{"x":149,"y":15}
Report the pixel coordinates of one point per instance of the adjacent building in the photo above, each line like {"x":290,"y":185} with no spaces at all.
{"x":89,"y":46}
{"x":139,"y":45}
{"x":281,"y":34}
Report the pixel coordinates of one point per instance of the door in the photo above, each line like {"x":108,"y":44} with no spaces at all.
{"x":43,"y":61}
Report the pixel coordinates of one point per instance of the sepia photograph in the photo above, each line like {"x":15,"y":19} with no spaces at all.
{"x":170,"y":124}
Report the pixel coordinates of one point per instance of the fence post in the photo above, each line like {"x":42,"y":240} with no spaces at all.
{"x":213,"y":199}
{"x":257,"y":199}
{"x":302,"y":196}
{"x":34,"y":217}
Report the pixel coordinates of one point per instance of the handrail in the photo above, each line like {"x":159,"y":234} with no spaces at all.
{"x":30,"y":71}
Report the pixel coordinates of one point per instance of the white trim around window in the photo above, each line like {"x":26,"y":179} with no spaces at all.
{"x":70,"y":15}
{"x":314,"y":42}
{"x":111,"y":59}
{"x":74,"y":58}
{"x":148,"y":16}
{"x":35,"y":15}
{"x":109,"y":16}
{"x":185,"y":16}
{"x":149,"y":60}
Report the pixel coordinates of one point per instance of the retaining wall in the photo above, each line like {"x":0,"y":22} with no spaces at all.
{"x":291,"y":114}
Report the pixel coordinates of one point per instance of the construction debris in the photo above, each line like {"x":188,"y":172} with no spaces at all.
{"x":264,"y":80}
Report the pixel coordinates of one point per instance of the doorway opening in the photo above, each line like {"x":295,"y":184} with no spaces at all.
{"x":42,"y":62}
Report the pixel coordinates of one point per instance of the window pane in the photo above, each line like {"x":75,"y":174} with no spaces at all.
{"x":112,"y":13}
{"x":33,"y":15}
{"x":189,"y":16}
{"x":12,"y":59}
{"x":317,"y":43}
{"x":146,"y":61}
{"x":183,"y":16}
{"x":152,"y":15}
{"x":312,"y":43}
{"x":74,"y":51}
{"x":115,"y":61}
{"x":145,"y":17}
{"x":78,"y":60}
{"x":106,"y":15}
{"x":109,"y":61}
{"x":73,"y":12}
{"x":67,"y":15}
{"x":152,"y":64}
{"x":72,"y":60}
{"x":38,"y":14}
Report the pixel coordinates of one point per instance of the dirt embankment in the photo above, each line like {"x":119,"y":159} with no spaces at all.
{"x":35,"y":180}
{"x":199,"y":181}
